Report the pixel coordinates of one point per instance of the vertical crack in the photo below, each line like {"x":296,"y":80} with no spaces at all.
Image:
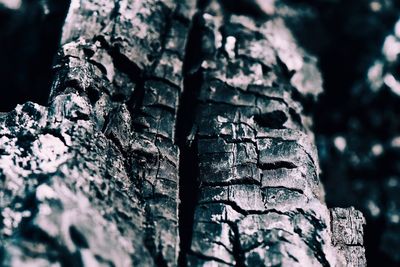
{"x":188,"y":167}
{"x":237,"y":252}
{"x":188,"y":190}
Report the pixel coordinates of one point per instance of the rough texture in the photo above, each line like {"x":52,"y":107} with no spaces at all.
{"x":92,"y":179}
{"x":67,"y":197}
{"x":129,"y":63}
{"x":348,"y":235}
{"x":260,"y":200}
{"x":118,"y":78}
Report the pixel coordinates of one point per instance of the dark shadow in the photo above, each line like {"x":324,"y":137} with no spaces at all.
{"x":29,"y":38}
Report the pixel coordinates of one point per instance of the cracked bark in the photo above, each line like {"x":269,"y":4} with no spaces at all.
{"x":99,"y":166}
{"x":260,"y":200}
{"x":92,"y":179}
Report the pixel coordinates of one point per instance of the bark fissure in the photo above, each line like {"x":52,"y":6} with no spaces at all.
{"x":251,"y":127}
{"x":188,"y":169}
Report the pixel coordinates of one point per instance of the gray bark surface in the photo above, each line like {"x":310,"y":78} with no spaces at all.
{"x":97,"y":169}
{"x":93,"y":178}
{"x":260,"y":199}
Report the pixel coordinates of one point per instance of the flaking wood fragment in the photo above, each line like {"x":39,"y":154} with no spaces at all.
{"x":347,"y":235}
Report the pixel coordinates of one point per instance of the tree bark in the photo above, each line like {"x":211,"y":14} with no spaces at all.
{"x":93,"y":178}
{"x":97,"y":169}
{"x":260,"y":199}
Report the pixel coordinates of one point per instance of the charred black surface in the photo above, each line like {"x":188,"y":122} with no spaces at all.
{"x":161,"y":147}
{"x":117,"y":161}
{"x":257,"y":164}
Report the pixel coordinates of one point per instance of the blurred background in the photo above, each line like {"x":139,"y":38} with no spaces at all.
{"x":29,"y":36}
{"x":357,"y":119}
{"x":357,"y":122}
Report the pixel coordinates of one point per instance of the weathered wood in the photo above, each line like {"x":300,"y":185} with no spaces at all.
{"x":348,"y":235}
{"x":92,"y":179}
{"x":260,"y":198}
{"x":104,"y":149}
